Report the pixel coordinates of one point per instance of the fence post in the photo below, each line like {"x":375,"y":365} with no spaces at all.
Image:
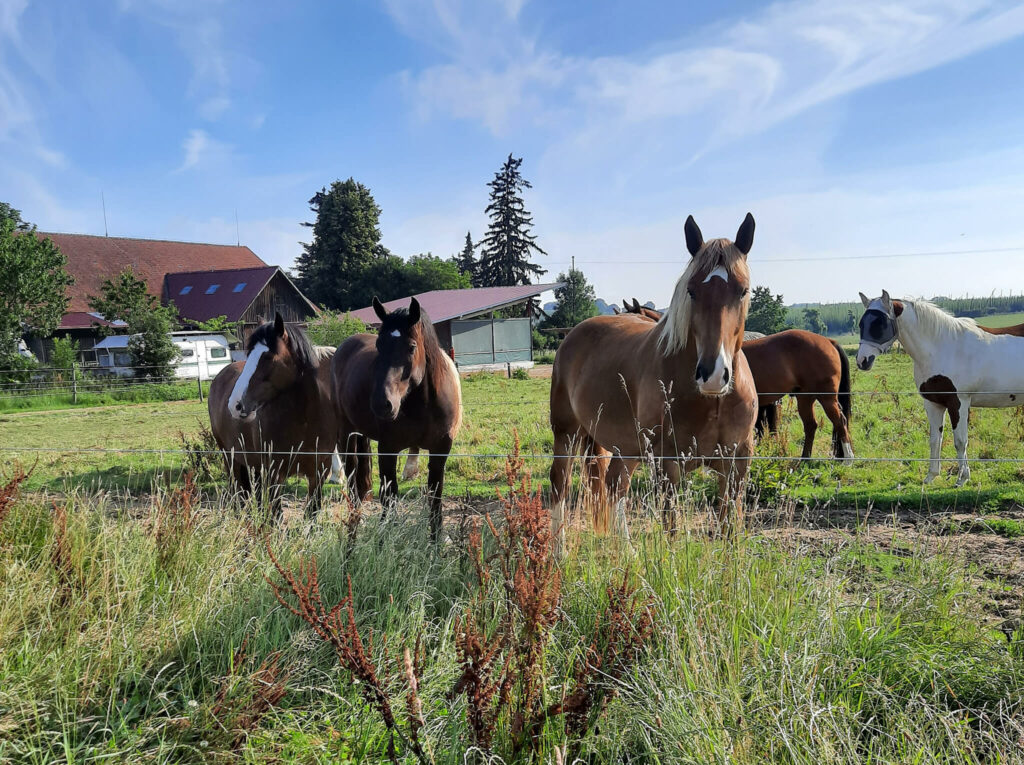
{"x":74,"y":383}
{"x":199,"y":381}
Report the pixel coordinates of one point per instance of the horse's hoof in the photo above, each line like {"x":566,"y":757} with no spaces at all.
{"x":930,"y":477}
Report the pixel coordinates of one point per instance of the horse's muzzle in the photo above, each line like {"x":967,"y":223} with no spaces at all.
{"x":239,"y":412}
{"x":713,"y":377}
{"x":383,"y":409}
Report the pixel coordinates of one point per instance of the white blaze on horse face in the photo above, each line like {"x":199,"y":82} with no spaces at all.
{"x":720,"y":272}
{"x":718,"y":382}
{"x":242,"y":383}
{"x":395,"y":333}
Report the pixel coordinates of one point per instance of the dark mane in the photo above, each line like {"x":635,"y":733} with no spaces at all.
{"x":302,"y":350}
{"x":437,"y":366}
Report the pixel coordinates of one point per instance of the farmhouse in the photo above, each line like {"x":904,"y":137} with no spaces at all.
{"x":203,"y":280}
{"x":468,"y":321}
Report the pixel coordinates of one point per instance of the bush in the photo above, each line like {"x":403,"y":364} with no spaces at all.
{"x":333,"y":329}
{"x":64,"y":354}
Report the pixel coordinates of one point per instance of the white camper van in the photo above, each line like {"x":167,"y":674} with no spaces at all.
{"x":203,"y":354}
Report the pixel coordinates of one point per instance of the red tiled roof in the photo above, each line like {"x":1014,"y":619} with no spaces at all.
{"x":85,"y":320}
{"x":235,"y":291}
{"x":91,"y":259}
{"x":442,"y":305}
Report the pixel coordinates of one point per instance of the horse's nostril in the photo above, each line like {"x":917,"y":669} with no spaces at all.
{"x":725,"y":377}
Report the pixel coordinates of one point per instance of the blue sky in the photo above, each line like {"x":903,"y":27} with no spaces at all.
{"x":848,"y":129}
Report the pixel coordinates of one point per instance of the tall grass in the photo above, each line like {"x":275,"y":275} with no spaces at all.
{"x":762,"y":650}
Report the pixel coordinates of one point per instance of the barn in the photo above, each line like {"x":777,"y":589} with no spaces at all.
{"x":204,"y":281}
{"x":484,"y":325}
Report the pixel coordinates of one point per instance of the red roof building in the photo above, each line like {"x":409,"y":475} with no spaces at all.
{"x":466,"y":324}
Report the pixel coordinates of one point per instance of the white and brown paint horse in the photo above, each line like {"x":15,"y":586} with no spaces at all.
{"x":624,"y":387}
{"x":272,"y":414}
{"x":957,"y":364}
{"x":400,"y":389}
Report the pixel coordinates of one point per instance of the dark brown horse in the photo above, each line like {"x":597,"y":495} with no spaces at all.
{"x":678,"y":390}
{"x":400,"y":389}
{"x":272,"y":414}
{"x":807,"y":366}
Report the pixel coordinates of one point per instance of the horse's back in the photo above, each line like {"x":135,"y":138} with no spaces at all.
{"x":1017,"y":330}
{"x":798,"y":346}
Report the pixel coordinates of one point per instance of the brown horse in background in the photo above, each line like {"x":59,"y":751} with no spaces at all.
{"x":400,"y":389}
{"x":272,"y":415}
{"x":802,"y":364}
{"x":678,"y":390}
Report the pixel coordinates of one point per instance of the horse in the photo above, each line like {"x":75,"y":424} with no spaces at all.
{"x":400,"y":389}
{"x":272,"y":414}
{"x":678,"y":389}
{"x":806,"y":365}
{"x":957,"y":364}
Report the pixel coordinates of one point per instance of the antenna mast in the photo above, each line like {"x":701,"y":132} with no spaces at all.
{"x":238,"y":237}
{"x":104,"y":201}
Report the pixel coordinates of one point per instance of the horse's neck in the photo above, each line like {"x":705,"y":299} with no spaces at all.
{"x":922,"y":347}
{"x":678,"y":369}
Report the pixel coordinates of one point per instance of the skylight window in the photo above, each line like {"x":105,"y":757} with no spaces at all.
{"x":239,"y":287}
{"x":186,"y":289}
{"x":212,"y":288}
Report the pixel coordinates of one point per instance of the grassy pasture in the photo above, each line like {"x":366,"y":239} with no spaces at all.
{"x":121,"y":626}
{"x":888,"y":423}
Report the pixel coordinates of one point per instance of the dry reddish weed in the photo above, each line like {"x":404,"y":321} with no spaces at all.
{"x":244,"y":699}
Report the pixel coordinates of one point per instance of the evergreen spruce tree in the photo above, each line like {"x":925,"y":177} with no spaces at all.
{"x":346,"y":241}
{"x":507,"y":246}
{"x":466,"y":260}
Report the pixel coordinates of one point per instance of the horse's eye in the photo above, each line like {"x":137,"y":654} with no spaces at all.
{"x":745,"y":292}
{"x":692,"y":294}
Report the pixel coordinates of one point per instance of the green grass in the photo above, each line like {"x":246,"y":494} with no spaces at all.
{"x":887,"y":423}
{"x":125,"y":393}
{"x":762,"y":652}
{"x":1001,"y":320}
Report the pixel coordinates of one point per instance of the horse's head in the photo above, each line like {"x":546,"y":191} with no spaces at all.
{"x":710,"y":304}
{"x":276,"y":356}
{"x":878,"y":329}
{"x":401,"y":358}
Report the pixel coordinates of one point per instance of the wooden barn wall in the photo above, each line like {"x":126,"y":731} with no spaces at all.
{"x":277,"y":297}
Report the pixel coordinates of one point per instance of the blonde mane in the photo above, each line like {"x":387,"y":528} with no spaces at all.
{"x":934,"y":322}
{"x":674,"y":325}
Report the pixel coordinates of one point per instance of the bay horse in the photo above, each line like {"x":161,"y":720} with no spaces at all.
{"x":272,"y":415}
{"x":957,"y":364}
{"x":800,"y":363}
{"x":678,"y":390}
{"x":400,"y":389}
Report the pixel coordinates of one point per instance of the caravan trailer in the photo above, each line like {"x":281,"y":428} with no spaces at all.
{"x":203,"y":355}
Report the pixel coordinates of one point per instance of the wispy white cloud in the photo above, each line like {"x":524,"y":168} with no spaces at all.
{"x":740,"y":79}
{"x":199,"y":34}
{"x":201,"y":149}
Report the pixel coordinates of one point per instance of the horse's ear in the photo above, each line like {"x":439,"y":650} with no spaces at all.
{"x":414,"y":312}
{"x":278,"y":325}
{"x":886,"y":302}
{"x":864,"y":299}
{"x":745,"y":235}
{"x":379,"y":309}
{"x":694,"y":239}
{"x":636,"y":305}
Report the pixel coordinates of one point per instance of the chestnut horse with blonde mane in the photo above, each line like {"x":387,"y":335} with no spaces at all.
{"x":802,"y":364}
{"x":679,"y":390}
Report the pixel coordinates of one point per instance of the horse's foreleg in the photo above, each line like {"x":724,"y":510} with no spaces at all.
{"x":435,"y":487}
{"x":561,"y":479}
{"x":960,"y":440}
{"x":805,"y":408}
{"x":841,"y":447}
{"x":935,"y":414}
{"x":617,"y":479}
{"x":315,"y":492}
{"x":387,"y":465}
{"x":671,"y":474}
{"x":363,"y":470}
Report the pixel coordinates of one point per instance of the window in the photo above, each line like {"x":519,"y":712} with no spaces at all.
{"x":218,"y":353}
{"x":239,"y":287}
{"x":187,"y":353}
{"x":212,"y":288}
{"x":122,"y":359}
{"x":186,"y":289}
